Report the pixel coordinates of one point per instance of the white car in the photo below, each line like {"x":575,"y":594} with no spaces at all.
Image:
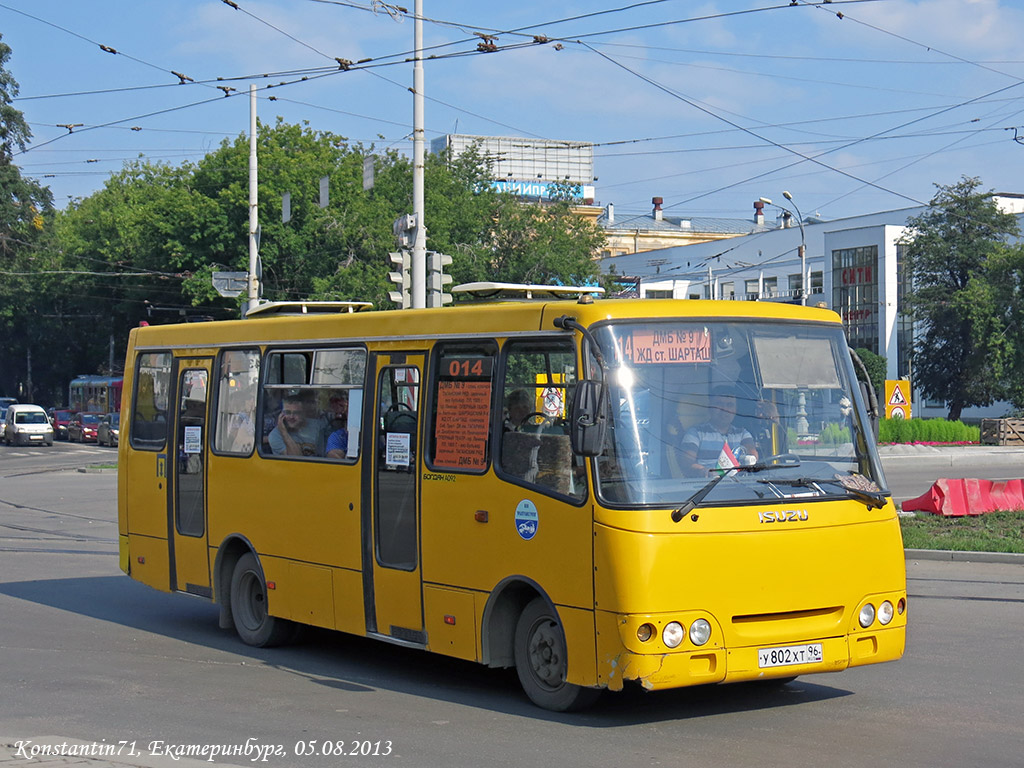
{"x":27,"y":425}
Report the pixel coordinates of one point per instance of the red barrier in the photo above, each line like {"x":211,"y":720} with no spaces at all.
{"x":952,"y":497}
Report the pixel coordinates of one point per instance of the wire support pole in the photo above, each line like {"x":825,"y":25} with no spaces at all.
{"x":419,"y":248}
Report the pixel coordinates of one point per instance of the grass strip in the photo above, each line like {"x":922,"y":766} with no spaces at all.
{"x":991,"y":532}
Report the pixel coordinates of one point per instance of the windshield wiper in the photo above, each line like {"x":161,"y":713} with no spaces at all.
{"x":873,"y":499}
{"x":772,"y":462}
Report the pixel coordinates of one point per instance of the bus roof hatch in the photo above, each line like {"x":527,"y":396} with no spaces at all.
{"x":489,"y":291}
{"x":306,"y":307}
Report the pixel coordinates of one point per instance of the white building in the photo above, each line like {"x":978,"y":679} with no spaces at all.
{"x":853,"y":266}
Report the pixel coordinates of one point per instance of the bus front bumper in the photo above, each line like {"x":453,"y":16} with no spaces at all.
{"x":676,"y":669}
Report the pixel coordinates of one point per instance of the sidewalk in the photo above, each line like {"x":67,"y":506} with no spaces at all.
{"x":956,"y":453}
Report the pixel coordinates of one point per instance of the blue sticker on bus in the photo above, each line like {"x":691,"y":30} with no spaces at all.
{"x":526,"y":519}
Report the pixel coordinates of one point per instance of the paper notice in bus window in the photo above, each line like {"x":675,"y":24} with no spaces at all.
{"x":397,"y":449}
{"x":462,"y":424}
{"x":193,"y":442}
{"x":671,"y":345}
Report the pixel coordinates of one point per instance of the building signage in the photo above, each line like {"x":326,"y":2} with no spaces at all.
{"x":857,"y":275}
{"x":542,"y":189}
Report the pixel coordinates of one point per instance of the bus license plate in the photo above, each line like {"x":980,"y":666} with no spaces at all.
{"x":789,"y":654}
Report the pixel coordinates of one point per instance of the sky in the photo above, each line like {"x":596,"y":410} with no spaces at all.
{"x":851,"y":106}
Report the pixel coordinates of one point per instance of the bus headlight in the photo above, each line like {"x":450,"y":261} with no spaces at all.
{"x":700,"y":632}
{"x":673,"y":634}
{"x":644,"y":632}
{"x":885,"y":613}
{"x":867,"y":615}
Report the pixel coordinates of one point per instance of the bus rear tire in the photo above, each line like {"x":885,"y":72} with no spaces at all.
{"x":249,"y":607}
{"x":542,"y":661}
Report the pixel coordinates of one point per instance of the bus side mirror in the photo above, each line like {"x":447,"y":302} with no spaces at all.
{"x":873,"y":416}
{"x":587,"y":418}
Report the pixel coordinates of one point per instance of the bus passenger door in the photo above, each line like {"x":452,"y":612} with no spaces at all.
{"x":391,"y":552}
{"x":190,"y":562}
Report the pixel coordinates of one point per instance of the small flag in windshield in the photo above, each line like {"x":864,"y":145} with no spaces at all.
{"x":726,"y":459}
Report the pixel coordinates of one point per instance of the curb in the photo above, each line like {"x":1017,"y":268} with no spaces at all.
{"x":97,"y":470}
{"x":1012,"y":558}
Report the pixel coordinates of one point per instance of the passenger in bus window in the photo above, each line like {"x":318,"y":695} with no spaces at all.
{"x":337,"y":425}
{"x":295,"y":434}
{"x":518,"y":406}
{"x":716,"y":443}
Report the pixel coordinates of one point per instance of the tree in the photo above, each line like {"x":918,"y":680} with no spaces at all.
{"x":24,"y":209}
{"x":876,"y":366}
{"x":150,"y":239}
{"x":964,"y":347}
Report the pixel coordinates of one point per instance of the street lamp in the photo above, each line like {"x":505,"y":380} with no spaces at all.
{"x":804,"y":282}
{"x":802,"y":250}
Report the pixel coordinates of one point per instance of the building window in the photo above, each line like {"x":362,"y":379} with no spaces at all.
{"x":752,"y":288}
{"x":855,"y":294}
{"x":817,"y":282}
{"x":771,"y":286}
{"x":649,"y":294}
{"x":728,"y":290}
{"x":796,"y":286}
{"x":904,"y":325}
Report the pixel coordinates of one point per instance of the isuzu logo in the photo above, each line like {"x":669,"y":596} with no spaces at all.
{"x":782,"y":516}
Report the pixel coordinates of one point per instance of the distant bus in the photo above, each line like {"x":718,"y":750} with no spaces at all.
{"x":95,"y":394}
{"x":510,"y":483}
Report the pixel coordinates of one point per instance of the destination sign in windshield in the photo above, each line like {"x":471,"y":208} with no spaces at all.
{"x":643,"y":346}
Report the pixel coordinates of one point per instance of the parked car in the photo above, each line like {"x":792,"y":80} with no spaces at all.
{"x":26,"y":424}
{"x":59,"y":418}
{"x":108,"y":430}
{"x":82,"y":427}
{"x":3,"y":421}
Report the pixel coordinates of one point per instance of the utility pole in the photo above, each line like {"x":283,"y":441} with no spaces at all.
{"x":253,"y":282}
{"x":419,"y":247}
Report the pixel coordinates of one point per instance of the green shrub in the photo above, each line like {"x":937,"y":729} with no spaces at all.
{"x":926,"y":431}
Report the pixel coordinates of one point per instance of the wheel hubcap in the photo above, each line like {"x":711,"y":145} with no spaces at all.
{"x":254,"y":608}
{"x":545,"y":651}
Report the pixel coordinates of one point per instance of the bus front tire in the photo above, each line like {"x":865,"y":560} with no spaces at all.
{"x":542,"y":661}
{"x":249,"y":607}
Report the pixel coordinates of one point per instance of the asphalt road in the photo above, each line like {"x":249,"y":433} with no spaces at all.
{"x":911,"y":470}
{"x":90,"y":655}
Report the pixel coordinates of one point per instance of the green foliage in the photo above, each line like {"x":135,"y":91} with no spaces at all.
{"x":876,"y":367}
{"x":926,"y":431}
{"x":25,"y":217}
{"x":144,"y":247}
{"x":966,"y":299}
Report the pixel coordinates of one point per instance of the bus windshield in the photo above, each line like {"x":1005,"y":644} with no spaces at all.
{"x":773,"y":409}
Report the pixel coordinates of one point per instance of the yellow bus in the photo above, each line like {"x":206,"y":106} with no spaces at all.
{"x":597,"y":492}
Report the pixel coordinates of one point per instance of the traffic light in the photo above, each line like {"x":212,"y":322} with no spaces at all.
{"x":437,"y":280}
{"x":402,"y":279}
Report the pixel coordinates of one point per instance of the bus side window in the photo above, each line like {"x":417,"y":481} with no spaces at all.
{"x":237,"y":384}
{"x":149,"y":403}
{"x":539,"y":382}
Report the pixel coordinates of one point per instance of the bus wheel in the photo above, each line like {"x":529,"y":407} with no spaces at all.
{"x":249,"y":607}
{"x":541,"y":661}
